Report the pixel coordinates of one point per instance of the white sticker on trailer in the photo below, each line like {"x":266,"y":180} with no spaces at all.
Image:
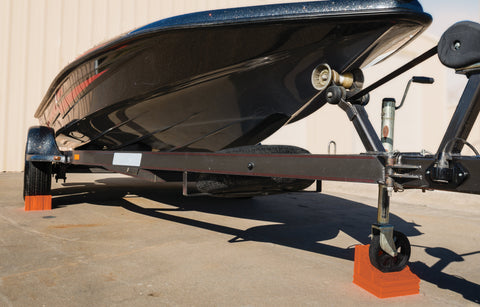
{"x":127,"y":159}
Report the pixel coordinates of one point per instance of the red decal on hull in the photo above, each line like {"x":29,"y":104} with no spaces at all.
{"x":64,"y":105}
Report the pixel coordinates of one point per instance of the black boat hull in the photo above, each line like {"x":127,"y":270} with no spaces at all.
{"x":206,"y":87}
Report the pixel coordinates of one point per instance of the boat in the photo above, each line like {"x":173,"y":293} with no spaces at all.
{"x":213,"y":80}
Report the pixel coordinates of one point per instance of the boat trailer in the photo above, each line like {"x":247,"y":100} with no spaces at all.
{"x":392,"y":171}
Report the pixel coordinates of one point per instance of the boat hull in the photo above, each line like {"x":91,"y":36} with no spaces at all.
{"x":186,"y":85}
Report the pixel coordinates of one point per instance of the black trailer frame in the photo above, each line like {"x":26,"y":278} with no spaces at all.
{"x":446,"y":170}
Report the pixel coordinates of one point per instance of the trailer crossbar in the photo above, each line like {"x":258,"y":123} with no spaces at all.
{"x":351,"y":168}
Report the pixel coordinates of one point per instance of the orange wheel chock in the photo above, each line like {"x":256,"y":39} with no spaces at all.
{"x":382,"y":285}
{"x":38,"y":202}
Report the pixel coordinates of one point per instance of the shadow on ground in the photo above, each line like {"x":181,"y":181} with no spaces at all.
{"x":300,"y":220}
{"x":434,"y":274}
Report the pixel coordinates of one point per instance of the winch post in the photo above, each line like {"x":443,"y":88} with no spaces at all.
{"x":463,"y":119}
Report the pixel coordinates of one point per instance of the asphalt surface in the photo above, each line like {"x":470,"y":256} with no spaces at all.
{"x":116,"y":241}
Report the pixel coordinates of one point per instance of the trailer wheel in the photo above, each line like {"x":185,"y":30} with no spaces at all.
{"x":383,"y":261}
{"x":37,"y":178}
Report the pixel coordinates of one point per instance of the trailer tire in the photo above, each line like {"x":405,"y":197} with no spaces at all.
{"x":37,"y":178}
{"x":248,"y":186}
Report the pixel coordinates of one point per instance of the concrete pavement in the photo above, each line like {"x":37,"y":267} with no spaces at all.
{"x":116,"y":241}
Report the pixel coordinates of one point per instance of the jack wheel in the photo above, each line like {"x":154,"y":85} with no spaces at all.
{"x":383,"y":261}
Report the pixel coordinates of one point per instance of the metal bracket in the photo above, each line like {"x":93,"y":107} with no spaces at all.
{"x":386,"y":238}
{"x":60,"y":171}
{"x":185,"y":191}
{"x":451,"y":176}
{"x":359,"y":117}
{"x":334,"y":147}
{"x":404,"y":171}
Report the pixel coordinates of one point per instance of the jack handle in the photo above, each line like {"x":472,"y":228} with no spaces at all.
{"x":424,"y":80}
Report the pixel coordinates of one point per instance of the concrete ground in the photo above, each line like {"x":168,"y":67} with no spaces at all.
{"x":117,"y":241}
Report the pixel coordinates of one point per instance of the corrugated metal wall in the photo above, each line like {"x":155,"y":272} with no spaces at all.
{"x":39,"y":37}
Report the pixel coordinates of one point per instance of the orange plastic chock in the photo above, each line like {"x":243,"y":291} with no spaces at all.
{"x":382,"y":285}
{"x":38,"y":202}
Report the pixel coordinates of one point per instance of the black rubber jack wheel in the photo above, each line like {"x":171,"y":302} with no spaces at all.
{"x":383,"y":261}
{"x":37,"y":178}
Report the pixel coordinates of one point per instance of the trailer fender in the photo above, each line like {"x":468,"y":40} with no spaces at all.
{"x":41,"y":145}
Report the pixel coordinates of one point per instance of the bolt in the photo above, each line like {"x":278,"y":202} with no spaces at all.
{"x":250,"y":166}
{"x":325,"y":76}
{"x":457,"y":45}
{"x":389,"y":191}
